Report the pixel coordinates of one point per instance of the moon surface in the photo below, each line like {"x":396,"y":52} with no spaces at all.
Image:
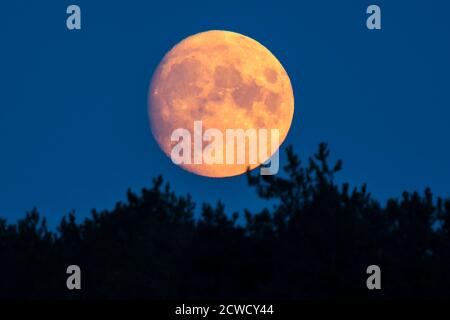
{"x":227,"y":81}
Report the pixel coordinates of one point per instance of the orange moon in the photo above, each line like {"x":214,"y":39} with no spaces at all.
{"x":227,"y":81}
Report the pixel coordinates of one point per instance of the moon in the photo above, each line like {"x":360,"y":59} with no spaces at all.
{"x":227,"y":81}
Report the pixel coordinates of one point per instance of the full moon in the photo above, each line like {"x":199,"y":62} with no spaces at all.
{"x":227,"y":81}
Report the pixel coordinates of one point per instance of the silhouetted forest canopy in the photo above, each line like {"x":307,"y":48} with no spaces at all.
{"x":315,"y":242}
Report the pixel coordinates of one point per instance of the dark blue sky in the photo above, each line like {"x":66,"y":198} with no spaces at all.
{"x":74,"y":131}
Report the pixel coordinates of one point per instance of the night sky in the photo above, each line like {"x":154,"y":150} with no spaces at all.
{"x":74,"y":129}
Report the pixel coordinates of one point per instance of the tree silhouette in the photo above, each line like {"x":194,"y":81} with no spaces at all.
{"x":316,"y":242}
